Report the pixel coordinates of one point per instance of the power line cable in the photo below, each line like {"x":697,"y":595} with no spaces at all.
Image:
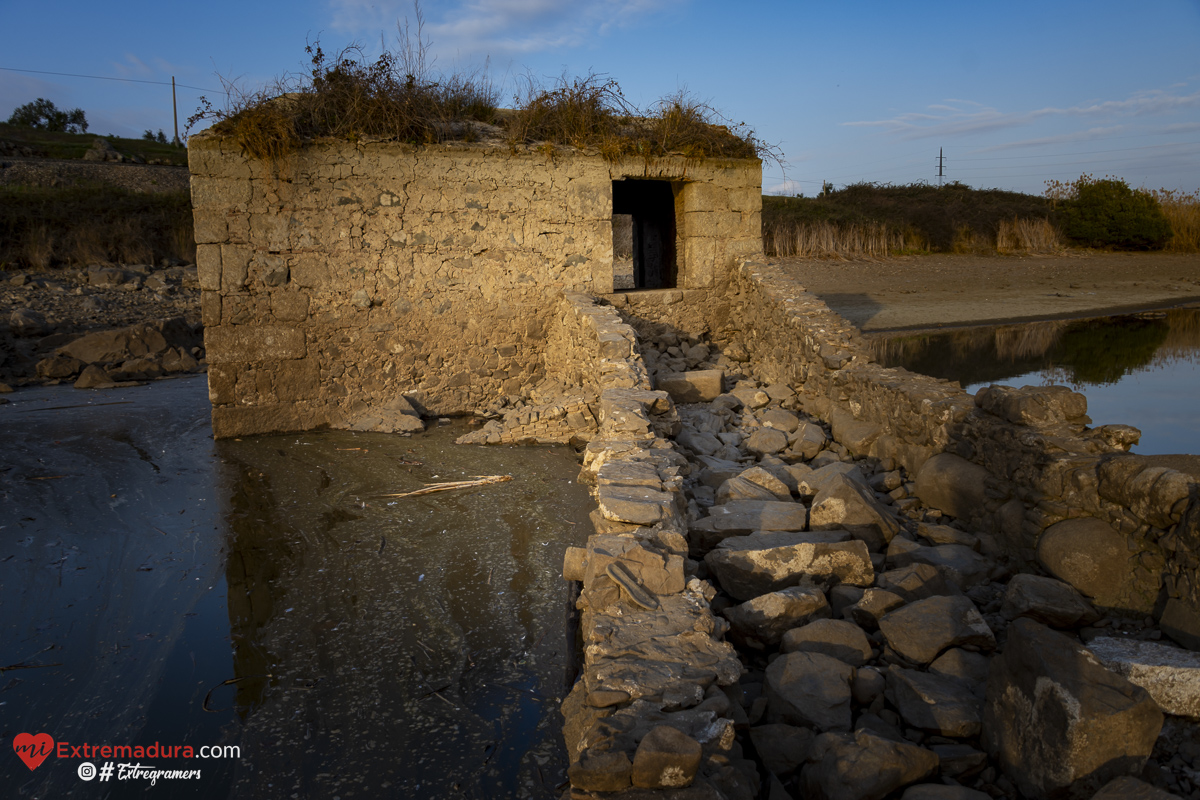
{"x":107,"y":78}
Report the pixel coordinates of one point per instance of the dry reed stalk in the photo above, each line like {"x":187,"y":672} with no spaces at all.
{"x":39,"y":247}
{"x":447,"y":486}
{"x":1027,"y":236}
{"x":826,"y":240}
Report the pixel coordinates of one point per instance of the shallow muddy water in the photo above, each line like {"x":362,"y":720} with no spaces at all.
{"x":161,"y":587}
{"x":1141,"y":370}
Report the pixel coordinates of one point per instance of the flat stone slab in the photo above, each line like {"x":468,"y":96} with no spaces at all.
{"x":695,"y":386}
{"x":639,"y":505}
{"x":742,"y":518}
{"x":1169,"y":674}
{"x":748,"y":566}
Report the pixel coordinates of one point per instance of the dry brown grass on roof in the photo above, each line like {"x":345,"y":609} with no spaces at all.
{"x":592,"y":111}
{"x":398,"y":96}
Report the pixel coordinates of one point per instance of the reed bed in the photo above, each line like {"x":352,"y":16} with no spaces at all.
{"x":1028,"y":236}
{"x":1183,"y":212}
{"x":832,"y":240}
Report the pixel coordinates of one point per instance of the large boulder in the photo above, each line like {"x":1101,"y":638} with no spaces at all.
{"x":766,"y":441}
{"x":748,"y":566}
{"x":1034,"y":406}
{"x":1088,"y":554}
{"x":112,"y":346}
{"x":920,"y":631}
{"x":666,"y":758}
{"x":764,"y":620}
{"x":916,"y":582}
{"x":810,"y":689}
{"x":782,"y":748}
{"x":27,"y":322}
{"x":934,"y":703}
{"x":863,"y":766}
{"x":953,"y":485}
{"x":844,"y":504}
{"x":1057,"y":722}
{"x":1049,"y":601}
{"x":839,"y":638}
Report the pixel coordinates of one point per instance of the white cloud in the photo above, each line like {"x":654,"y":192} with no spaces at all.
{"x":1066,"y":138}
{"x":958,"y":117}
{"x":474,"y":29}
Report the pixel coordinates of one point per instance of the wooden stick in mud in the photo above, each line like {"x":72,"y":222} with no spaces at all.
{"x":430,"y":488}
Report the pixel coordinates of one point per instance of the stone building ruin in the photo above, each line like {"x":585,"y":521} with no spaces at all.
{"x":357,"y":272}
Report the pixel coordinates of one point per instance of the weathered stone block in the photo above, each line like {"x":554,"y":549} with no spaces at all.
{"x":1058,"y":723}
{"x":229,"y":343}
{"x":696,"y":386}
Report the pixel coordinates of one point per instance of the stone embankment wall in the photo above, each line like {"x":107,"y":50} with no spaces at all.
{"x":358,"y":271}
{"x":651,"y":707}
{"x":1018,"y":464}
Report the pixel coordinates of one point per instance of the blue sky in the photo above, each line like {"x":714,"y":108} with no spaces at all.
{"x":1014,"y":93}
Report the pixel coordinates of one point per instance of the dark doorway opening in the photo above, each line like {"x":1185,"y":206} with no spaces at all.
{"x":646,"y":209}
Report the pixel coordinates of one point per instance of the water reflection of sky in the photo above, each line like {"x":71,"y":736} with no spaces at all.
{"x":1140,"y":370}
{"x":1163,"y":401}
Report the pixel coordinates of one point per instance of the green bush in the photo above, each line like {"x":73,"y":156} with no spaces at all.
{"x":44,"y":115}
{"x":1107,"y":213}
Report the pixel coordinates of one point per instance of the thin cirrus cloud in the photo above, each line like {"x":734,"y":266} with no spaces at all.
{"x":961,"y":118}
{"x":478,"y":28}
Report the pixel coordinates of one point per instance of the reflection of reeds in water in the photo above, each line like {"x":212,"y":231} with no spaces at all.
{"x":1032,"y":340}
{"x":1008,"y":342}
{"x":1183,"y":338}
{"x":1078,"y":353}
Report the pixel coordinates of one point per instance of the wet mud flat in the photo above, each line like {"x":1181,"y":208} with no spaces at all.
{"x":162,"y":587}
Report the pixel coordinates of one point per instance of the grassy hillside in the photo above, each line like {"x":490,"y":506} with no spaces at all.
{"x":73,"y":145}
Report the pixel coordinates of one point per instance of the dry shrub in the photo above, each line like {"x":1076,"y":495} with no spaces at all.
{"x":181,"y":240}
{"x":1182,"y":210}
{"x":86,"y":244}
{"x":1027,"y":236}
{"x":396,"y":96}
{"x":829,"y":240}
{"x":41,"y":227}
{"x":39,"y":247}
{"x":967,"y":241}
{"x":592,"y":112}
{"x":575,"y":111}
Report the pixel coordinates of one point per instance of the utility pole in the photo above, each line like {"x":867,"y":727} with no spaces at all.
{"x":175,"y":110}
{"x":941,"y":166}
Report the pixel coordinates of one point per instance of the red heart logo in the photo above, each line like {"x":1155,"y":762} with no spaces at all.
{"x":33,"y":750}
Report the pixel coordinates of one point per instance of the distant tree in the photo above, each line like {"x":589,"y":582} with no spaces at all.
{"x":44,"y":115}
{"x":151,"y":136}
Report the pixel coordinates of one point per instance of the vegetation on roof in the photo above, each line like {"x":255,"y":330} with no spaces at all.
{"x":399,"y":96}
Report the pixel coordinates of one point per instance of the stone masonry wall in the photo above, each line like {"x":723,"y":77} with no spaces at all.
{"x":355,"y":272}
{"x":656,"y":666}
{"x":1014,"y":462}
